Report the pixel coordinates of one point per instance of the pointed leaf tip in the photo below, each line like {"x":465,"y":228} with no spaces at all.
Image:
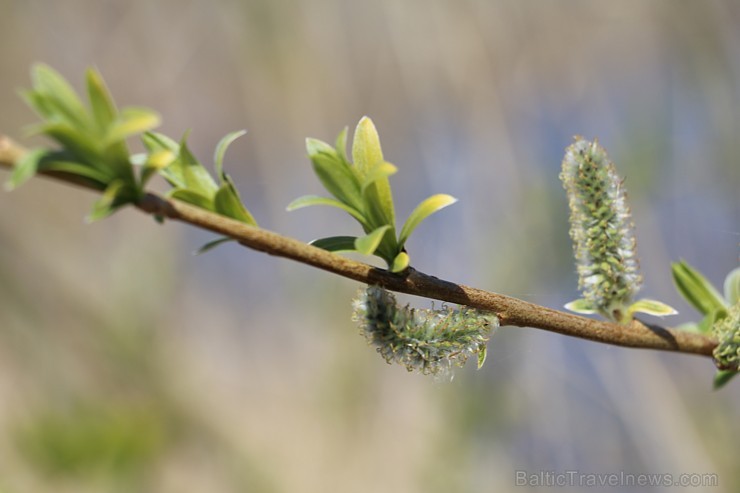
{"x":223,"y":145}
{"x":341,"y":143}
{"x":316,"y":146}
{"x":426,"y":208}
{"x":366,"y":150}
{"x":651,"y":307}
{"x":482,"y":353}
{"x":722,"y":377}
{"x":696,"y":289}
{"x":213,"y":244}
{"x":335,"y":243}
{"x":732,"y":287}
{"x":106,"y":204}
{"x":581,"y":306}
{"x":103,"y":107}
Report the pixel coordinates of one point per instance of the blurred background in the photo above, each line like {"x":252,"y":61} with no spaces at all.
{"x":129,"y":365}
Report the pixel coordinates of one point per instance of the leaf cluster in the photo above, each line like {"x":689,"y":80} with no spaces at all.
{"x":721,"y":315}
{"x":94,"y":149}
{"x":192,"y":183}
{"x":93,"y":138}
{"x":363,"y":191}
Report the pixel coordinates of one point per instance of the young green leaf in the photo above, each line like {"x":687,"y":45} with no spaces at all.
{"x":228,"y":203}
{"x":375,"y":212}
{"x":186,"y":172}
{"x":103,"y":108}
{"x":366,"y":151}
{"x":722,"y":377}
{"x":309,"y":200}
{"x":193,"y":198}
{"x":152,"y":163}
{"x":341,"y":144}
{"x":106,"y":204}
{"x":130,"y":122}
{"x":732,"y":286}
{"x":155,"y":141}
{"x":426,"y":208}
{"x":367,"y":155}
{"x":482,"y":354}
{"x":83,"y":147}
{"x":379,"y":172}
{"x":651,"y":307}
{"x":369,"y":243}
{"x":25,"y":168}
{"x":336,"y":243}
{"x":98,"y":178}
{"x":213,"y":244}
{"x":159,"y":159}
{"x":400,"y":263}
{"x":218,"y":157}
{"x":338,"y":178}
{"x":315,"y":147}
{"x":581,"y":306}
{"x":38,"y":102}
{"x":696,"y":289}
{"x":59,"y":97}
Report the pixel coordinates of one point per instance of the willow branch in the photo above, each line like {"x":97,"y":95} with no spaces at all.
{"x":511,"y":311}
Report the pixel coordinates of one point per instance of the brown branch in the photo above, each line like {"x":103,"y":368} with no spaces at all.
{"x":511,"y":311}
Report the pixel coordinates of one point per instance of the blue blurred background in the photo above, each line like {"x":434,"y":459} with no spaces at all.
{"x":128,"y":364}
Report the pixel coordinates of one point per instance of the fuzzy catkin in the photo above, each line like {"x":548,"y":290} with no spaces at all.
{"x":428,"y":341}
{"x":601,"y":229}
{"x":727,"y":331}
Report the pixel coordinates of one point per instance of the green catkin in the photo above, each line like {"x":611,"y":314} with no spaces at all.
{"x":428,"y":341}
{"x":601,"y":229}
{"x":727,"y":332}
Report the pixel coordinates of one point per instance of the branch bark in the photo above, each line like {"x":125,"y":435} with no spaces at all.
{"x":511,"y":311}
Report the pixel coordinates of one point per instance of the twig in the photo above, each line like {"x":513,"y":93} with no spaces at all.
{"x":511,"y":311}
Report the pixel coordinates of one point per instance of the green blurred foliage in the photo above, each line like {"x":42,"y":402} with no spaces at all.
{"x":92,"y":440}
